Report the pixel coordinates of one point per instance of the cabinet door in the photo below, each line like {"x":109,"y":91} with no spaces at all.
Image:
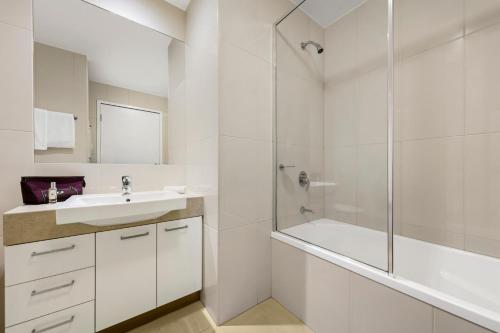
{"x":125,"y":274}
{"x":179,"y":259}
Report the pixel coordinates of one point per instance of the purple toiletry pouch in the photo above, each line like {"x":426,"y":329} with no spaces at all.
{"x":35,"y":190}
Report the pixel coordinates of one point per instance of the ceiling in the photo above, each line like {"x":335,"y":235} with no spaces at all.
{"x":119,"y":52}
{"x":325,"y":12}
{"x":182,"y":4}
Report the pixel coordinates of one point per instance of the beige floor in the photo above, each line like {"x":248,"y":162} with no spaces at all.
{"x":267,"y":317}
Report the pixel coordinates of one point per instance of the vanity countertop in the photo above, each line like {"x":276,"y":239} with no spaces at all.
{"x":27,"y":224}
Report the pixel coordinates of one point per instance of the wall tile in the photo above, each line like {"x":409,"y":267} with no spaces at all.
{"x":327,"y":295}
{"x":246,"y":106}
{"x":418,"y":28}
{"x":341,"y":62}
{"x":482,"y":245}
{"x":210,"y":292}
{"x":340,"y":200}
{"x":144,"y":177}
{"x":263,"y":260}
{"x":480,"y":14}
{"x":432,"y":183}
{"x":264,"y":181}
{"x":433,"y":235}
{"x":201,"y":28}
{"x":376,"y":308}
{"x":447,"y":323}
{"x":89,"y":171}
{"x":17,"y":13}
{"x":429,"y":93}
{"x":238,"y":183}
{"x":248,"y":24}
{"x":202,"y":94}
{"x":291,"y":117}
{"x":482,"y":186}
{"x":16,"y":72}
{"x":372,"y":186}
{"x":341,"y":115}
{"x":289,"y":277}
{"x":372,"y":35}
{"x":238,"y":271}
{"x":17,"y":160}
{"x":371,"y":99}
{"x":482,"y":84}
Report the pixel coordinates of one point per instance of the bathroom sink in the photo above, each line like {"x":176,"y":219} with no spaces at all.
{"x":115,"y":208}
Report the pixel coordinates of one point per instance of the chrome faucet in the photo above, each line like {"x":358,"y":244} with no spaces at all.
{"x":126,"y":185}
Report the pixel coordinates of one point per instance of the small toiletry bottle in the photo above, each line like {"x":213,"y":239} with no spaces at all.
{"x":52,"y":193}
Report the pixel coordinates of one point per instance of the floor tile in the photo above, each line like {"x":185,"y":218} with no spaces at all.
{"x":267,"y":317}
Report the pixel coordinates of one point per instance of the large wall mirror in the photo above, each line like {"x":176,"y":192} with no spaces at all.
{"x":104,"y":86}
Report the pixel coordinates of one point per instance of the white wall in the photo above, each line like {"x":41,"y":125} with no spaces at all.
{"x":245,"y":103}
{"x":202,"y":128}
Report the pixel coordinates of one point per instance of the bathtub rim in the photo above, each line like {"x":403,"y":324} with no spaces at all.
{"x":466,"y":310}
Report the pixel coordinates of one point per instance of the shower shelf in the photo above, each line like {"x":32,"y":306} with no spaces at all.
{"x":322,"y":184}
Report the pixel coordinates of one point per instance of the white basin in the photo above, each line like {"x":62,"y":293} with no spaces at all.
{"x":115,"y":208}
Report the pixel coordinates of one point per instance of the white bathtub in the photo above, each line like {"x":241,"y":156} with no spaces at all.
{"x":462,"y":283}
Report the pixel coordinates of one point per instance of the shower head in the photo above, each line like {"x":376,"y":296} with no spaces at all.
{"x":318,"y":46}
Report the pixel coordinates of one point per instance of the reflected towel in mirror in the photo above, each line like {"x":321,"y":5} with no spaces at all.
{"x":60,"y":130}
{"x":40,"y":128}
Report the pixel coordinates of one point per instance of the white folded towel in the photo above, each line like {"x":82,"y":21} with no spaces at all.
{"x":40,"y":128}
{"x":60,"y":130}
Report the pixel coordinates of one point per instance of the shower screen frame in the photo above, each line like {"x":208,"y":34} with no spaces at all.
{"x":390,"y":130}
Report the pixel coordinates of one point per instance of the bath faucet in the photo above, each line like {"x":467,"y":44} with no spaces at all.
{"x":304,"y":210}
{"x":126,"y":185}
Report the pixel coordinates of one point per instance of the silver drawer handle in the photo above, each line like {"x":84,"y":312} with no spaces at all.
{"x":70,"y":320}
{"x":134,"y":236}
{"x":36,"y":292}
{"x":177,"y":228}
{"x":71,"y":247}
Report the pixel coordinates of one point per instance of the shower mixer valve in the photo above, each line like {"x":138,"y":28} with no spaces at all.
{"x":304,"y":180}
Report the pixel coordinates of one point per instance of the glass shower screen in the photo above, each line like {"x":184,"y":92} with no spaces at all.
{"x":331,"y":127}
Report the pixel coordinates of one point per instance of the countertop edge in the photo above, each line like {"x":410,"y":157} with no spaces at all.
{"x":27,"y":227}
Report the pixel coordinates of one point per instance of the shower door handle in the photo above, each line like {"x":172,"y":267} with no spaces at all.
{"x":282,"y":166}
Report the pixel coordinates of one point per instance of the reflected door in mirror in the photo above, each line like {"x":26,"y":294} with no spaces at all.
{"x":128,"y":135}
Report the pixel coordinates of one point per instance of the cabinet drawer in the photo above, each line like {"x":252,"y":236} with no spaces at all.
{"x":40,"y":297}
{"x":179,"y":253}
{"x":31,"y":261}
{"x":125,"y":274}
{"x":78,"y":319}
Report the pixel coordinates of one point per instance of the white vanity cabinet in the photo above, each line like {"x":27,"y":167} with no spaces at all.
{"x":87,"y":283}
{"x":179,"y":259}
{"x":125,"y":274}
